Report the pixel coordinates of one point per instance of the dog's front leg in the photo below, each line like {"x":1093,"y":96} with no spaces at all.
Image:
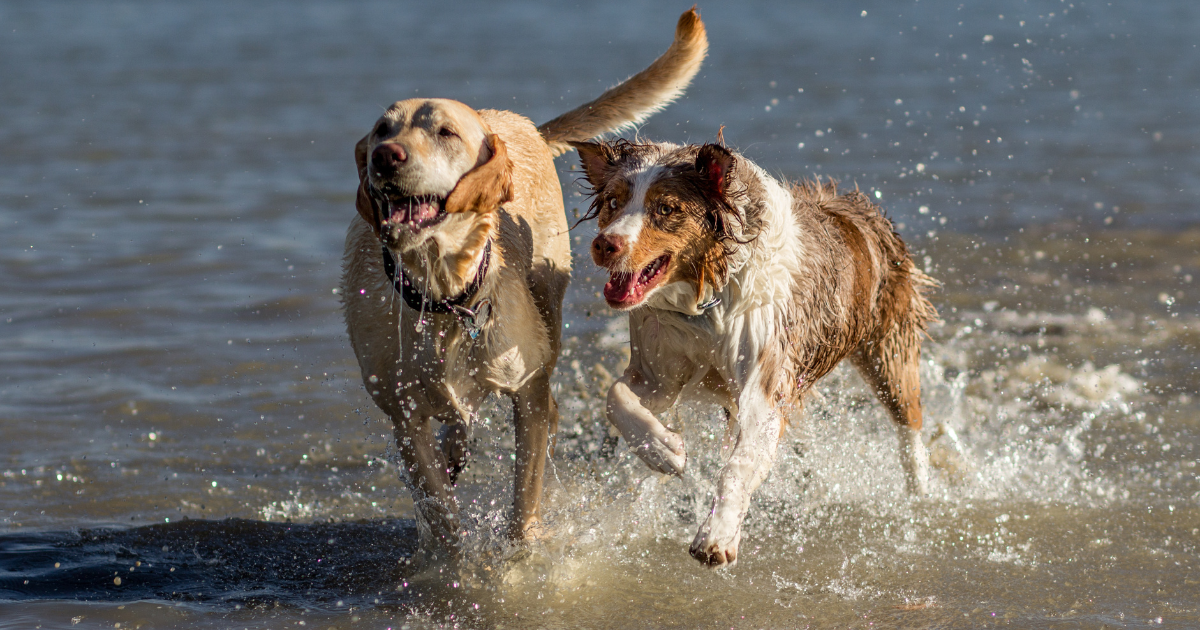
{"x":455,"y":438}
{"x":536,"y":417}
{"x":427,"y":476}
{"x":633,"y":402}
{"x":750,"y":461}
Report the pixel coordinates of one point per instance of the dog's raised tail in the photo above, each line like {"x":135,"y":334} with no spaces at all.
{"x":633,"y":100}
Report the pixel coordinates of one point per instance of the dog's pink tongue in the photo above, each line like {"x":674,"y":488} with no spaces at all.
{"x":620,"y":287}
{"x":415,"y":211}
{"x":423,"y":212}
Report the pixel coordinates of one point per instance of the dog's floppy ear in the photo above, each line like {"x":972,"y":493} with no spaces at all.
{"x":487,"y":186}
{"x":715,"y":165}
{"x":367,"y":207}
{"x":598,"y":160}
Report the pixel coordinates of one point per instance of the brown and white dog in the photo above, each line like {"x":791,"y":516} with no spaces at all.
{"x":455,"y":270}
{"x":743,"y":291}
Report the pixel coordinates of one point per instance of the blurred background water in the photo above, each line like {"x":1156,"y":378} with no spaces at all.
{"x":186,"y":443}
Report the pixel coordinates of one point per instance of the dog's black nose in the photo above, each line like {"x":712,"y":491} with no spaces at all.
{"x":388,"y":157}
{"x":605,"y":247}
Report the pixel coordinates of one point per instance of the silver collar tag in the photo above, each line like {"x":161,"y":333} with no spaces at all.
{"x":473,"y":320}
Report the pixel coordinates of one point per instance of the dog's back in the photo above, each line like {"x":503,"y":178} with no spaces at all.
{"x":855,"y":284}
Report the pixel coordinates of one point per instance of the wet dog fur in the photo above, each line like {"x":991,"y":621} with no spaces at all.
{"x":743,"y":291}
{"x":438,"y":182}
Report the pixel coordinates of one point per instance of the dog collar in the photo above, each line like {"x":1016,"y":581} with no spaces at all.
{"x":472,"y":319}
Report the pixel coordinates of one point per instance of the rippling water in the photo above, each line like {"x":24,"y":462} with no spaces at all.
{"x":186,"y":443}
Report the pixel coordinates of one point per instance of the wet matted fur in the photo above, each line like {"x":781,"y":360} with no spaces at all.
{"x":469,"y":208}
{"x":744,"y":291}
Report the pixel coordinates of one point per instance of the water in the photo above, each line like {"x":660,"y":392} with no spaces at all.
{"x":176,"y":389}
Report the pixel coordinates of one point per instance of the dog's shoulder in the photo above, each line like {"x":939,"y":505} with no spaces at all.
{"x":525,"y":145}
{"x":537,"y":196}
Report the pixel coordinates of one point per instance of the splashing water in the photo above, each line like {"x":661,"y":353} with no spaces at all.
{"x":1011,"y":457}
{"x":178,"y":392}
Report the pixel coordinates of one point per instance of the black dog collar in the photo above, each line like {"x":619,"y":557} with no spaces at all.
{"x":472,"y":319}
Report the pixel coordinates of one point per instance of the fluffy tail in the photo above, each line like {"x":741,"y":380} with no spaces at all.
{"x":633,"y":100}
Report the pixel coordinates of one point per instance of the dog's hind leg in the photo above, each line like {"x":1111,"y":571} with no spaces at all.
{"x":426,"y":474}
{"x":891,"y":367}
{"x":535,"y":415}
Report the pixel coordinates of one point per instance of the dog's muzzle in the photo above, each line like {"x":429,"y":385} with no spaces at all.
{"x":413,"y":211}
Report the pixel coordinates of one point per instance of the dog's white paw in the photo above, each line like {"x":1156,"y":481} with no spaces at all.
{"x":662,"y":450}
{"x":716,"y":543}
{"x":915,"y":458}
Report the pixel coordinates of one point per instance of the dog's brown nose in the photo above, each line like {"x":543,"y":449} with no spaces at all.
{"x":606,"y":247}
{"x":388,"y":157}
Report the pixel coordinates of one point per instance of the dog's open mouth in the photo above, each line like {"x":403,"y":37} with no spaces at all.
{"x":627,"y":289}
{"x":416,"y":212}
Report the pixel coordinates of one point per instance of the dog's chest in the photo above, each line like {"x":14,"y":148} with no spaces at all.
{"x":465,"y":369}
{"x":445,"y":361}
{"x":507,"y":370}
{"x":668,"y":334}
{"x":730,"y":343}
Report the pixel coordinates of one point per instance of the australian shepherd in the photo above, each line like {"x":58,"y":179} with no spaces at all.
{"x":743,"y":290}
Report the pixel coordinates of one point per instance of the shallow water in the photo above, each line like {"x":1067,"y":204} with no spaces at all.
{"x":181,"y":409}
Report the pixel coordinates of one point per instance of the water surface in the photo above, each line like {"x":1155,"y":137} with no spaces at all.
{"x":182,"y":411}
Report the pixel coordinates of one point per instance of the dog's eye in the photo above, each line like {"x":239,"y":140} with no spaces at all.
{"x":446,"y":133}
{"x":665,"y":210}
{"x":612,"y":203}
{"x":381,"y":130}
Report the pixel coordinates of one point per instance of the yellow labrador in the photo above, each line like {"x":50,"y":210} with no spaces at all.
{"x":455,"y":270}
